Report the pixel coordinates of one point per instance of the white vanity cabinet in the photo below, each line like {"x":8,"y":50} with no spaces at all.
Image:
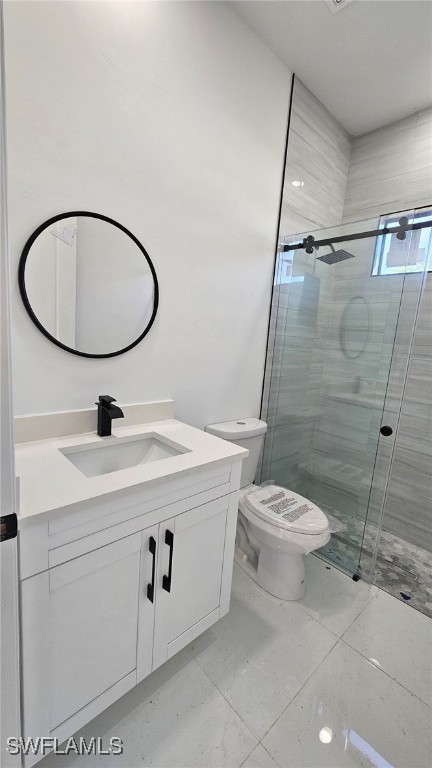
{"x":123,"y":590}
{"x":80,"y":623}
{"x":189,"y":600}
{"x":79,"y":634}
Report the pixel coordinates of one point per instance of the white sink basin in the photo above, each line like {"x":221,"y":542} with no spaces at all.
{"x":117,"y":453}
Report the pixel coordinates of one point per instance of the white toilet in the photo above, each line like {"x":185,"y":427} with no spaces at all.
{"x":276,"y":527}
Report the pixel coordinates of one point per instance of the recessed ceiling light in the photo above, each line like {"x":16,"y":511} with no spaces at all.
{"x":297,"y":183}
{"x":326,"y":735}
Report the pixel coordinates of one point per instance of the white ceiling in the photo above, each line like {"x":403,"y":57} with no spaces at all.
{"x":370,"y":63}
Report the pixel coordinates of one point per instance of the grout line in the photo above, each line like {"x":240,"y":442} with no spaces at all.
{"x":267,"y":595}
{"x":299,"y":690}
{"x":380,"y":669}
{"x":390,"y":594}
{"x":260,"y":744}
{"x":311,"y":616}
{"x":372,"y":597}
{"x":271,"y":756}
{"x":336,"y":638}
{"x":228,"y":702}
{"x":339,"y":641}
{"x":248,"y":756}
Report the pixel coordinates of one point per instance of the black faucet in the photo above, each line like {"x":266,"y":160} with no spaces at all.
{"x":106,"y":412}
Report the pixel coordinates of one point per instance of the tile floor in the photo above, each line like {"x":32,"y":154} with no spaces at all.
{"x":403,"y":569}
{"x":339,"y":679}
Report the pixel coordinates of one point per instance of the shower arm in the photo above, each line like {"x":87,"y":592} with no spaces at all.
{"x":310,"y":244}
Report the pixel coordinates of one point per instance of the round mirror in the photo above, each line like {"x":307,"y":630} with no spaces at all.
{"x":88,"y":284}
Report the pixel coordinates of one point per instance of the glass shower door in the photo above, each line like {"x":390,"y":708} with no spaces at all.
{"x":397,"y":543}
{"x":334,"y":324}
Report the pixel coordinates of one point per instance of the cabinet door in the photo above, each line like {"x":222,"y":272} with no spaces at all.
{"x":80,"y":623}
{"x":147,"y":601}
{"x":189,"y":574}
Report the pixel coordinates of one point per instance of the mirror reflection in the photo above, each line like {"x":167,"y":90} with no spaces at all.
{"x":88,"y":284}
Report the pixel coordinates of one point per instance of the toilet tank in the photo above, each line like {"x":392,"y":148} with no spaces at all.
{"x":249,"y":433}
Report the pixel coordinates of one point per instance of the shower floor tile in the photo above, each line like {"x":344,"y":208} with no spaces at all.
{"x":403,"y":569}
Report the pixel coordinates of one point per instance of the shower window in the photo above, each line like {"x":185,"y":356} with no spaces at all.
{"x":286,"y":275}
{"x":395,"y":257}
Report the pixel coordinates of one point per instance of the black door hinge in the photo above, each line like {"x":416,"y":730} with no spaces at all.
{"x":8,"y":527}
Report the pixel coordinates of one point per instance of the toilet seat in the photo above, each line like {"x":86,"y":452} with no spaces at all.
{"x":276,"y":527}
{"x":284,"y":509}
{"x":273,"y":555}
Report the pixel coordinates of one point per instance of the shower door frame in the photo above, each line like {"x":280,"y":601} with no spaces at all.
{"x":365,"y":562}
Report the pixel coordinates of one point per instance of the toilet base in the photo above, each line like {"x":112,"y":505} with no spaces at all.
{"x":280,"y":574}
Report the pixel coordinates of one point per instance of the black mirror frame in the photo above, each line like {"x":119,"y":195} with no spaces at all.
{"x":25,"y":299}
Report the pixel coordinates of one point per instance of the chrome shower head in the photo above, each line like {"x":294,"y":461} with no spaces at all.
{"x":334,"y":257}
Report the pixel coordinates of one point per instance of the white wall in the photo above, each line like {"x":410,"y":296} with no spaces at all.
{"x":170,"y":118}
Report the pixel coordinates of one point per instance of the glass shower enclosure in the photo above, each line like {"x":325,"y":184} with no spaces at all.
{"x":341,"y":334}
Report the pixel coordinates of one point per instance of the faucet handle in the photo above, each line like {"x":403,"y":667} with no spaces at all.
{"x":106,"y":400}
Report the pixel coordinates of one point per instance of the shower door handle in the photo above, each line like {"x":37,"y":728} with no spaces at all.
{"x":386,"y":431}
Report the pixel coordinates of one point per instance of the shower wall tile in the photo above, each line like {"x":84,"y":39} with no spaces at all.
{"x":387,"y":132}
{"x":389,"y":160}
{"x":419,"y":189}
{"x":425,"y":116}
{"x":323,"y":436}
{"x":321,"y":491}
{"x":379,"y":195}
{"x":390,"y":169}
{"x":408,"y":510}
{"x":348,"y":427}
{"x":422,"y":155}
{"x":318,"y":154}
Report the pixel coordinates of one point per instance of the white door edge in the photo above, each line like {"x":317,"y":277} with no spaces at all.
{"x":9,"y":614}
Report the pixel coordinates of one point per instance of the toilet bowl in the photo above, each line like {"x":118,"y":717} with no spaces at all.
{"x":278,"y":552}
{"x":276,"y":527}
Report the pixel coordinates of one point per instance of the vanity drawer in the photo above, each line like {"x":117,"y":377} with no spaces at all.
{"x":137,"y":522}
{"x":48,"y":544}
{"x":98,"y":514}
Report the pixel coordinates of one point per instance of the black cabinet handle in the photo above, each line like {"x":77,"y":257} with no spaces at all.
{"x":166,"y":581}
{"x":151,"y":586}
{"x":386,"y":431}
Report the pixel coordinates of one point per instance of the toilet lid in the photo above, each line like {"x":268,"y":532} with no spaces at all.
{"x":286,"y":509}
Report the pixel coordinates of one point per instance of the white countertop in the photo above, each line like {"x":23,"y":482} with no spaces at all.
{"x":49,"y":482}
